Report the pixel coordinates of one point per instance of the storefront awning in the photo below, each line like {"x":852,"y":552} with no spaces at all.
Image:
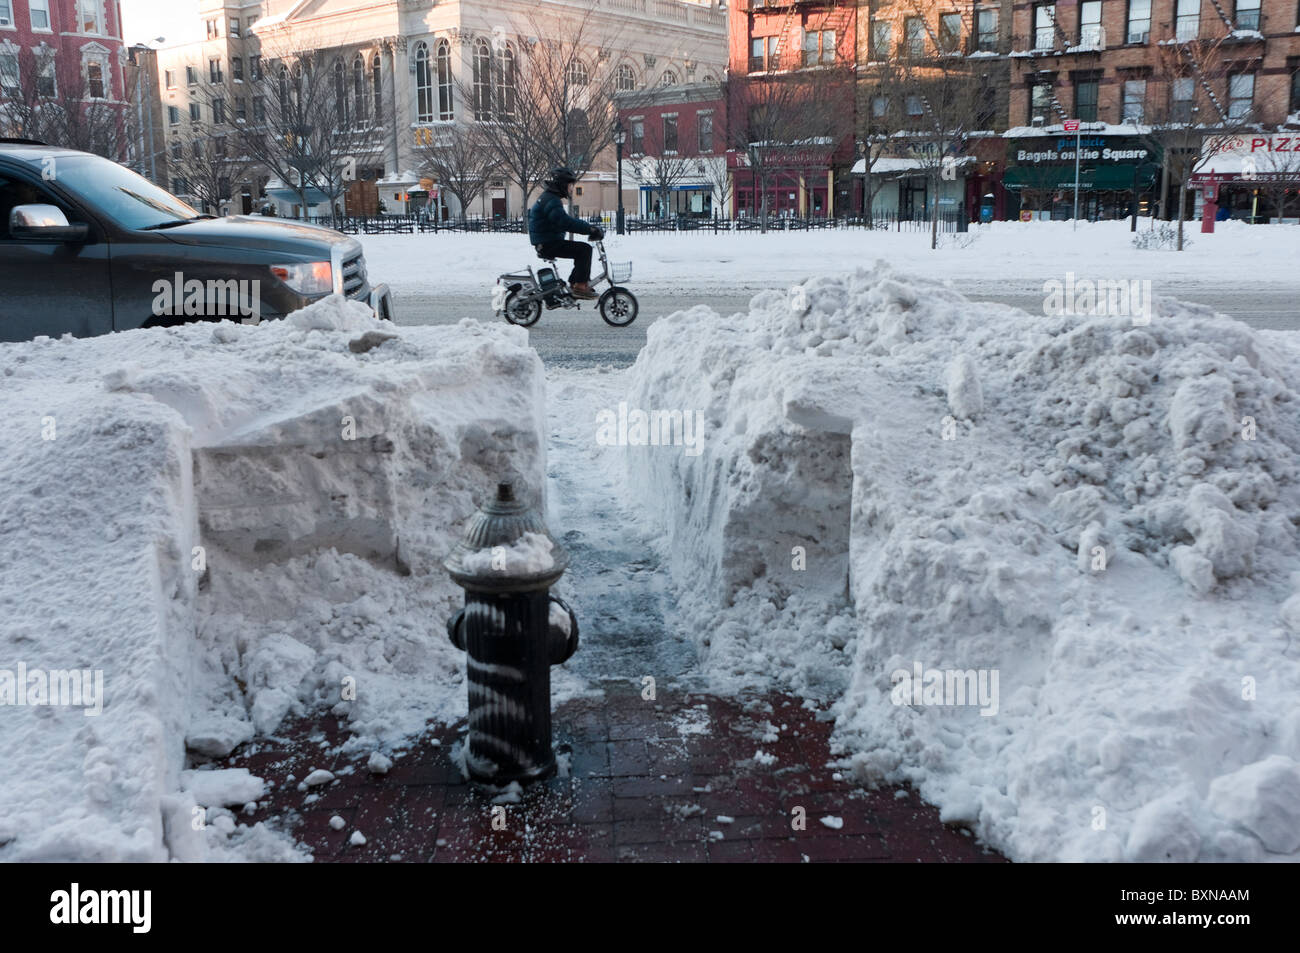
{"x":1107,"y":177}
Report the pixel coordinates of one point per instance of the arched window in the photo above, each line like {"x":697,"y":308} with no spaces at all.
{"x":446,"y":107}
{"x":359,"y":96}
{"x":423,"y":85}
{"x":341,"y":101}
{"x":505,"y":82}
{"x":668,"y":79}
{"x":482,"y":80}
{"x":626,"y":78}
{"x":377,"y":82}
{"x":578,"y":73}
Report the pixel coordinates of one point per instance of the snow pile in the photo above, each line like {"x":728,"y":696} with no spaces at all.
{"x":1068,"y":543}
{"x":528,"y":555}
{"x":234,"y":523}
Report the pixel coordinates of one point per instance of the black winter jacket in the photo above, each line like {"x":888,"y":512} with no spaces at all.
{"x":549,"y":222}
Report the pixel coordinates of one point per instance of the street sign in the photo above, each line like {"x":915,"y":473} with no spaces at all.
{"x":1071,"y":125}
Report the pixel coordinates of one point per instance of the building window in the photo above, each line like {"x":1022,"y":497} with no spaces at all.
{"x":882,"y":37}
{"x":259,"y":109}
{"x":169,"y":79}
{"x":6,"y":12}
{"x":377,"y":86}
{"x":504,"y":82}
{"x":248,"y":28}
{"x":1247,"y":14}
{"x":638,"y":137}
{"x":914,"y":36}
{"x":178,"y":185}
{"x":91,"y":15}
{"x":46,"y":85}
{"x":241,"y":109}
{"x":1135,"y":100}
{"x":704,"y":132}
{"x":914,"y":106}
{"x":1045,"y":26}
{"x":1085,"y":100}
{"x":1090,"y":24}
{"x":950,"y":32}
{"x":986,"y":24}
{"x":360,"y":96}
{"x":342,"y":105}
{"x":173,"y":116}
{"x":178,"y":151}
{"x":482,"y":80}
{"x":445,"y":103}
{"x":40,"y":12}
{"x":95,"y":80}
{"x":670,"y":133}
{"x":1241,"y":95}
{"x":1139,"y":21}
{"x":191,"y":76}
{"x":237,"y":69}
{"x":255,"y":67}
{"x":234,"y":26}
{"x":818,"y":47}
{"x":626,"y":78}
{"x":668,"y":79}
{"x":214,"y":30}
{"x":423,"y":84}
{"x":10,"y":78}
{"x":879,"y":107}
{"x":1182,"y":99}
{"x":1041,"y":98}
{"x":214,"y":70}
{"x":195,"y":112}
{"x":578,"y":73}
{"x":218,"y":110}
{"x":764,"y":53}
{"x":1187,"y":19}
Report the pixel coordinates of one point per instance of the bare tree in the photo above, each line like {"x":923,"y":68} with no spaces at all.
{"x":460,"y":159}
{"x":209,"y":164}
{"x":1192,"y":111}
{"x":310,"y":116}
{"x":58,"y":102}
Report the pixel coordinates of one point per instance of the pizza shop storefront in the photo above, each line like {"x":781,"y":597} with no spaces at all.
{"x":1113,"y":171}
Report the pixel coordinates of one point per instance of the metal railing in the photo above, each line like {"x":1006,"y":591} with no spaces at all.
{"x":880,"y":221}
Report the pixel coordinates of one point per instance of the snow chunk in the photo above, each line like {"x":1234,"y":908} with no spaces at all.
{"x":215,"y":736}
{"x":318,"y":777}
{"x":223,"y":787}
{"x":335,"y":313}
{"x":965,"y":399}
{"x":337,"y":823}
{"x":1264,"y":798}
{"x":357,"y":839}
{"x":834,"y":823}
{"x":378,"y":763}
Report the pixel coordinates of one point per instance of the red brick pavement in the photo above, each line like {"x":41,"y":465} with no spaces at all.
{"x":675,"y":779}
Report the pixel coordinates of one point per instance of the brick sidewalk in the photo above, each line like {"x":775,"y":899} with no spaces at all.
{"x":676,"y":779}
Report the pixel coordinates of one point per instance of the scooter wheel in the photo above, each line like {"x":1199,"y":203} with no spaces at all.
{"x":618,"y":307}
{"x":520,"y":312}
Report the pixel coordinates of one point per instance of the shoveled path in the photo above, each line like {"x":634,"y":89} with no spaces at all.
{"x":679,"y":778}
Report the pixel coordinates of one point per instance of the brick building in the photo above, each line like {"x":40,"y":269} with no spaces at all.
{"x":674,"y":160}
{"x":62,"y":51}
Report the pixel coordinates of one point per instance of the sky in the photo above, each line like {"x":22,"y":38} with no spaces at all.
{"x":143,"y":21}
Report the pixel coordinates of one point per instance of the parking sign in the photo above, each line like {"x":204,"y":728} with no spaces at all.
{"x":1071,"y":125}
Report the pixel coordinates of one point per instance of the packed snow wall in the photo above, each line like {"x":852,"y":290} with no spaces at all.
{"x":229,"y":523}
{"x":1072,"y":552}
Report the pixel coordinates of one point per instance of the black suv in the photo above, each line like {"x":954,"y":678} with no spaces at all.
{"x":87,"y":247}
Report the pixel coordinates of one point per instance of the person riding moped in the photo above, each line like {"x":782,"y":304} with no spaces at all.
{"x":548,"y":222}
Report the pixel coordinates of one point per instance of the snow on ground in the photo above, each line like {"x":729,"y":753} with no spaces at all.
{"x":1004,"y":256}
{"x":1070,"y":517}
{"x":324,"y":485}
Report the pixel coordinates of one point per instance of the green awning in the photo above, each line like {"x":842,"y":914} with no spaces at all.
{"x":1107,"y":177}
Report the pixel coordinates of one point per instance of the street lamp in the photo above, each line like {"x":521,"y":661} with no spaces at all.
{"x":620,"y":137}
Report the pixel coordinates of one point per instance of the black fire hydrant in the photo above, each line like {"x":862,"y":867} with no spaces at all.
{"x":512,"y":630}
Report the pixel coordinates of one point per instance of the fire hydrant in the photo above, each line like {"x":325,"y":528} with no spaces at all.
{"x":512,"y":631}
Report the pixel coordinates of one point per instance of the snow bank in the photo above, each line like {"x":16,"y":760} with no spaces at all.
{"x":1071,"y":566}
{"x":233,"y":523}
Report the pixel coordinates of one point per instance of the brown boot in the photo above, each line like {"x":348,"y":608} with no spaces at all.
{"x":582,"y":289}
